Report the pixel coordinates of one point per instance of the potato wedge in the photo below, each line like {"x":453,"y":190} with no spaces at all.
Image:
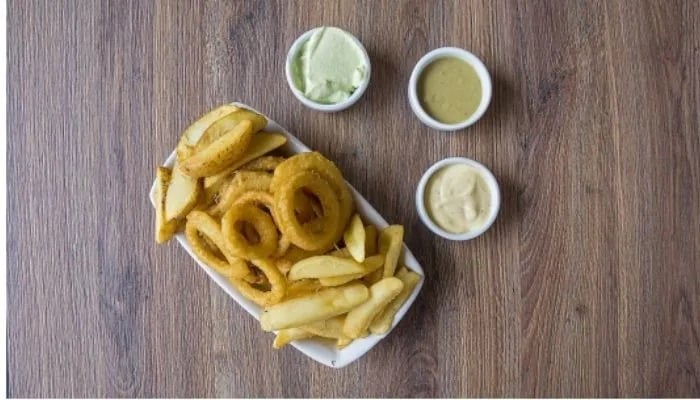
{"x":223,"y":152}
{"x":381,"y":293}
{"x":286,"y":336}
{"x":262,"y":143}
{"x":370,"y":265}
{"x":191,"y":135}
{"x":370,"y":240}
{"x":354,"y":238}
{"x":331,"y":328}
{"x":164,"y":229}
{"x":383,"y":321}
{"x":182,"y":194}
{"x":390,"y":244}
{"x":324,"y":304}
{"x":226,"y":123}
{"x":323,"y":267}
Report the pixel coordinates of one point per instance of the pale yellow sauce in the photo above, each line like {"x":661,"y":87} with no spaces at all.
{"x":449,"y":90}
{"x":457,"y":198}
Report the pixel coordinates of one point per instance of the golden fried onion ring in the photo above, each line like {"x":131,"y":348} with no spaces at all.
{"x":242,"y":182}
{"x":290,"y":226}
{"x":263,"y":224}
{"x":265,"y":199}
{"x":276,"y":280}
{"x":200,"y":223}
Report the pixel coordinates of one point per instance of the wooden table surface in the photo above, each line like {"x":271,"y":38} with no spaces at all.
{"x":587,"y":285}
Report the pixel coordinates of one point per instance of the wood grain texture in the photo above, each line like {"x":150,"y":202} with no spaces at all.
{"x":587,"y":285}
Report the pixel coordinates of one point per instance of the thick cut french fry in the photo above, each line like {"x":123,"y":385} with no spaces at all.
{"x":381,"y":293}
{"x":191,"y":135}
{"x":383,"y":321}
{"x":331,"y":328}
{"x":323,"y":267}
{"x":164,"y":229}
{"x":182,"y":194}
{"x":390,"y":243}
{"x":286,"y":336}
{"x":303,"y":287}
{"x":324,"y":304}
{"x":261,"y":143}
{"x":370,"y":265}
{"x":223,"y":152}
{"x":354,"y":238}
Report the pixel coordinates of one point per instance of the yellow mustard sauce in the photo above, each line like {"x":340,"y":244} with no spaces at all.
{"x":449,"y":90}
{"x":457,"y":198}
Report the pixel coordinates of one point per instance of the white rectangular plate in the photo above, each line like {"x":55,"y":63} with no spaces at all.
{"x":321,"y":351}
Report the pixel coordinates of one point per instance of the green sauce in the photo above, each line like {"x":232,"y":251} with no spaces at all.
{"x":449,"y":90}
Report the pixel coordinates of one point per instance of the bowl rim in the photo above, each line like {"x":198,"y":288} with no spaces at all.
{"x":481,"y":71}
{"x":490,"y":181}
{"x":294,"y":49}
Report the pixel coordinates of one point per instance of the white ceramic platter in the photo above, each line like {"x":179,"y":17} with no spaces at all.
{"x":321,"y":351}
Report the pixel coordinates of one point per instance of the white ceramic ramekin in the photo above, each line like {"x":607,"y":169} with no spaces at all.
{"x":481,"y":71}
{"x":493,"y":187}
{"x":291,"y":55}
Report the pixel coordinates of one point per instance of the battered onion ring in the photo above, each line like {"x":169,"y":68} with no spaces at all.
{"x":242,"y":182}
{"x":263,"y":224}
{"x":266,"y":200}
{"x":199,"y":223}
{"x":288,"y":223}
{"x":264,"y":163}
{"x":305,"y":207}
{"x":264,"y":298}
{"x":314,"y":161}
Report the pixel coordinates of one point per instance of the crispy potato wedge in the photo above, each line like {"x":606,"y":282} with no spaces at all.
{"x":226,"y":123}
{"x":370,"y":265}
{"x":286,"y":336}
{"x":164,"y":229}
{"x":323,"y":267}
{"x":331,"y":328}
{"x":182,"y":194}
{"x":383,"y":321}
{"x":370,"y":240}
{"x":322,"y":305}
{"x":354,"y":238}
{"x":390,"y":244}
{"x":381,"y":293}
{"x":223,"y":152}
{"x":191,"y":135}
{"x":261,"y":144}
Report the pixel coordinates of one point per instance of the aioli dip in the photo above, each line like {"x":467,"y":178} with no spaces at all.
{"x":449,"y":90}
{"x":457,"y":198}
{"x":330,"y":66}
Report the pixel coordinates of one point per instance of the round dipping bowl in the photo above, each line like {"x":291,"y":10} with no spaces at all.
{"x":481,"y":71}
{"x":491,"y":183}
{"x":291,"y":55}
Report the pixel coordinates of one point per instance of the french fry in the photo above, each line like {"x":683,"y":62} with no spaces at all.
{"x":164,"y":229}
{"x":331,"y":328}
{"x":324,"y":304}
{"x":286,"y":336}
{"x":383,"y":321}
{"x":354,"y":238}
{"x":191,"y":135}
{"x":261,"y":143}
{"x":323,"y":267}
{"x":370,"y":265}
{"x":342,"y":343}
{"x":182,"y":194}
{"x":390,"y":243}
{"x":302,"y":287}
{"x":381,"y":293}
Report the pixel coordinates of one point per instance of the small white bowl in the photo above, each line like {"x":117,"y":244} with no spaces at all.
{"x":291,"y":55}
{"x":481,"y":71}
{"x":493,"y":187}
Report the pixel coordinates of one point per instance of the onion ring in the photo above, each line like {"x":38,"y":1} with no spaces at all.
{"x":199,"y":223}
{"x":288,"y":223}
{"x":314,"y":161}
{"x":263,"y":224}
{"x":242,"y":182}
{"x":266,"y":200}
{"x":262,"y":298}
